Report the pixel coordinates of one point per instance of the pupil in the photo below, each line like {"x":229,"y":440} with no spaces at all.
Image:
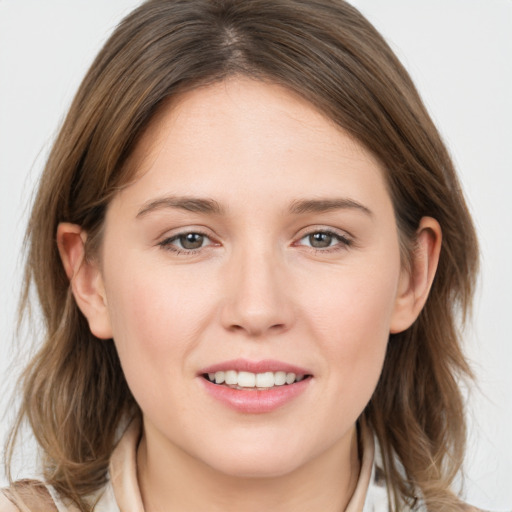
{"x":320,"y":240}
{"x":191,"y":241}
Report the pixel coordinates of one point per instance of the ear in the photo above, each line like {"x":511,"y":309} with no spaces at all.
{"x":415,"y":282}
{"x":85,"y":278}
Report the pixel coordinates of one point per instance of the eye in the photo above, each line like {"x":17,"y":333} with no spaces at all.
{"x":191,"y":240}
{"x":184,"y":242}
{"x":324,"y":240}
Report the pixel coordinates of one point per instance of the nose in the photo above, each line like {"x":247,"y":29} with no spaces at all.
{"x":258,"y":300}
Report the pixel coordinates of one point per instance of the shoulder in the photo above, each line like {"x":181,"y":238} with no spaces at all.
{"x":471,"y":508}
{"x":6,"y":505}
{"x":26,"y":496}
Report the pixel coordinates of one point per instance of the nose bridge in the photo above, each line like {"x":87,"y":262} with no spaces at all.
{"x":257,"y":301}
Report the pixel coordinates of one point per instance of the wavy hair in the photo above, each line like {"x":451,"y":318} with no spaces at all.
{"x":74,"y":391}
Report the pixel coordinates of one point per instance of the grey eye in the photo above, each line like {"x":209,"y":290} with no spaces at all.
{"x":186,"y":242}
{"x":320,"y":240}
{"x":191,"y":241}
{"x":325,"y":240}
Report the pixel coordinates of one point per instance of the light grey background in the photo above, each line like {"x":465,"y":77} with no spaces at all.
{"x":459,"y":52}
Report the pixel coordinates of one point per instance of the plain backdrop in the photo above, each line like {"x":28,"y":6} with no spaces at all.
{"x":459,"y":52}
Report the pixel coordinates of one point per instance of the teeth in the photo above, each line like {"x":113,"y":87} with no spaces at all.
{"x":246,"y":380}
{"x":264,"y":380}
{"x":290,"y":378}
{"x":231,"y":377}
{"x":280,"y":378}
{"x":254,"y":380}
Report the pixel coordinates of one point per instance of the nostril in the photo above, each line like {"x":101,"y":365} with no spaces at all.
{"x":256,"y":330}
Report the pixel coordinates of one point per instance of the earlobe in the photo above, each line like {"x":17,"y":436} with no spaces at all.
{"x":415,"y":282}
{"x":85,"y":278}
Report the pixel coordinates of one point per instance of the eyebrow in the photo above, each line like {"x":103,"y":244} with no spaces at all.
{"x":210,"y":206}
{"x":325,"y":205}
{"x":190,"y":204}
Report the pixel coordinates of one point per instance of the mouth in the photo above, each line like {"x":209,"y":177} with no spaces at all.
{"x":245,"y":380}
{"x":255,"y":387}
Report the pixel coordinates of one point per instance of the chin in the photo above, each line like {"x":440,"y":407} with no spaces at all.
{"x":256,"y":468}
{"x":257,"y":461}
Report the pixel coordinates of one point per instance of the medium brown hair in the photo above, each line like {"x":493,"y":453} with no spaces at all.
{"x":74,"y":391}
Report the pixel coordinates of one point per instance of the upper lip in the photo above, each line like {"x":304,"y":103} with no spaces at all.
{"x":246,"y":365}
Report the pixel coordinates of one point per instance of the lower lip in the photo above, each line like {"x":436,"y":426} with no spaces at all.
{"x":255,"y":401}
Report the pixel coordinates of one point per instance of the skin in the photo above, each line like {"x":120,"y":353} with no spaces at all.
{"x":256,"y":289}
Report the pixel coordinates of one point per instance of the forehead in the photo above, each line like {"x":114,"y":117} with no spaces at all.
{"x":242,"y":132}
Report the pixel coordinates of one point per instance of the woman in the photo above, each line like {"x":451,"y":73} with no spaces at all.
{"x":250,"y":248}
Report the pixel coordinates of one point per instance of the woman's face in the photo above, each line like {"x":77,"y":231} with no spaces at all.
{"x":258,"y":241}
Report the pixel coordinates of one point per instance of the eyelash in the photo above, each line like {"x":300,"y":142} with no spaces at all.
{"x":168,"y":245}
{"x":343,"y":242}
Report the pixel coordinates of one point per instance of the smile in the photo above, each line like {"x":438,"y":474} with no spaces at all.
{"x":257,"y":381}
{"x":255,"y":387}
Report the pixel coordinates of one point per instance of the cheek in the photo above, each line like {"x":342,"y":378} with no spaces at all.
{"x":352,"y":321}
{"x":155,"y":321}
{"x":154,"y":314}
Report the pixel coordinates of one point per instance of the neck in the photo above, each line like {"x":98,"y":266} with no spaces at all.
{"x":171,"y":479}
